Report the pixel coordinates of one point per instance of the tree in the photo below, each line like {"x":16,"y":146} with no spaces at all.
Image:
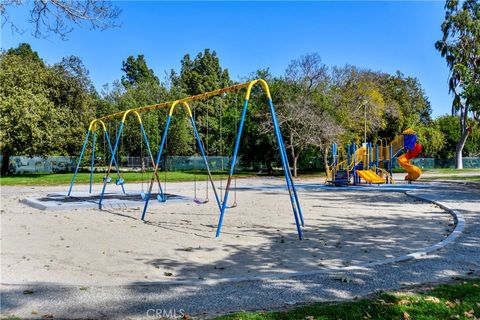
{"x":139,"y":86}
{"x":302,"y":111}
{"x":27,"y":117}
{"x":137,"y":72}
{"x":450,"y":128}
{"x":44,"y":109}
{"x":58,"y":16}
{"x":460,"y":46}
{"x":25,"y":51}
{"x":200,"y":75}
{"x":406,"y":104}
{"x":357,"y":100}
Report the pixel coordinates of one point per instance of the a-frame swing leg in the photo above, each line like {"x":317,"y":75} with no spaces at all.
{"x":204,"y":156}
{"x":92,"y":162}
{"x":232,"y":168}
{"x":114,"y":152}
{"x":78,"y":163}
{"x":114,"y":159}
{"x":157,"y":163}
{"x":284,"y":163}
{"x":159,"y":156}
{"x":149,"y":150}
{"x":286,"y":168}
{"x":91,"y":169}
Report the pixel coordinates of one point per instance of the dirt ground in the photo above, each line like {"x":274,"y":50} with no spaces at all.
{"x":111,"y":247}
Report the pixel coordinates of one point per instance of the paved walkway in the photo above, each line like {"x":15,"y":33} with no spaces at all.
{"x":140,"y":300}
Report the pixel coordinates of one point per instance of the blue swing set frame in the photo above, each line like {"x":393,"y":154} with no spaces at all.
{"x":221,"y":203}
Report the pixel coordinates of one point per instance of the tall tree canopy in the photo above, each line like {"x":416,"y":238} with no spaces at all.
{"x":44,"y":109}
{"x":137,"y":72}
{"x":460,"y":46}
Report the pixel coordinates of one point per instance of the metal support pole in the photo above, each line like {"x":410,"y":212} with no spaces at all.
{"x":370,"y":160}
{"x":205,"y":160}
{"x":290,"y":185}
{"x":110,"y":164}
{"x":117,"y":169}
{"x":92,"y":163}
{"x":78,"y":163}
{"x":287,"y":173}
{"x":391,"y":161}
{"x":150,"y":154}
{"x":354,"y":163}
{"x":232,"y":167}
{"x":348,"y":162}
{"x":157,"y":163}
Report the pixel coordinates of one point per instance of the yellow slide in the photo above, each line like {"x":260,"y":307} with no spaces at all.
{"x":414,"y":172}
{"x":370,"y":176}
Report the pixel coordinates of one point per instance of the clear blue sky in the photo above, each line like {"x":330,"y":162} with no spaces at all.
{"x":385,"y":36}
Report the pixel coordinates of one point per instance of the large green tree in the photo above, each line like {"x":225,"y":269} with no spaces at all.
{"x":44,"y":109}
{"x":202,"y":74}
{"x":450,"y":128}
{"x":460,"y":46}
{"x":137,"y":72}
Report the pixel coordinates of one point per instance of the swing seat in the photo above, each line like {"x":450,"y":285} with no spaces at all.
{"x":161,"y":198}
{"x":107,"y":179}
{"x":119,"y":181}
{"x":234,"y":205}
{"x":144,"y":196}
{"x":200,"y":201}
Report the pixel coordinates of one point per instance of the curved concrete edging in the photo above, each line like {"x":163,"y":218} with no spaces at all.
{"x":459,"y":227}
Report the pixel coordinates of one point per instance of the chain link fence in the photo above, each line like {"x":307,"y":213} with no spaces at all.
{"x":59,"y":164}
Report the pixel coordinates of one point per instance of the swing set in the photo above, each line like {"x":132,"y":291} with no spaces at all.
{"x":221,"y":199}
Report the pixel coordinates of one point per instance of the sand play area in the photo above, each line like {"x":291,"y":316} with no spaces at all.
{"x":177,"y":242}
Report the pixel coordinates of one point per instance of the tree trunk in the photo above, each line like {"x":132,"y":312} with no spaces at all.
{"x":463,"y":138}
{"x":459,"y":148}
{"x":294,"y":158}
{"x":5,"y":163}
{"x":295,"y":166}
{"x":325,"y":158}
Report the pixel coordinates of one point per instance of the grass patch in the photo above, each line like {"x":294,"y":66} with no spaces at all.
{"x":48,"y":179}
{"x":449,"y":301}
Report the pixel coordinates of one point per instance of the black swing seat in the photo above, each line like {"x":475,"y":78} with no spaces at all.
{"x":233,"y":205}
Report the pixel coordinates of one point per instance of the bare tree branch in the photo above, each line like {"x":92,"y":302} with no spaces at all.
{"x":58,"y":16}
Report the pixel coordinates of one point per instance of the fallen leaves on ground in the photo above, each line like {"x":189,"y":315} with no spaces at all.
{"x":450,"y":304}
{"x":432,"y":299}
{"x":469,"y":314}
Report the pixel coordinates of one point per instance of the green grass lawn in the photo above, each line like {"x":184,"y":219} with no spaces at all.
{"x":451,"y":301}
{"x":44,"y":179}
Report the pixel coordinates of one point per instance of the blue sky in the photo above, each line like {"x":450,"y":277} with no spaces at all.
{"x":384,"y":36}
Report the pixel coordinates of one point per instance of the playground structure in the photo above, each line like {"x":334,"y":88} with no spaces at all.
{"x":373,"y":163}
{"x":161,"y":196}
